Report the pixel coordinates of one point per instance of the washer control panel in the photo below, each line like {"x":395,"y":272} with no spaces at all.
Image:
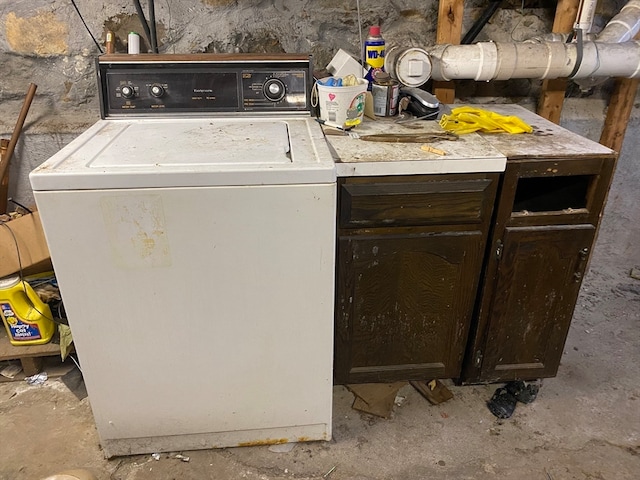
{"x":149,"y":85}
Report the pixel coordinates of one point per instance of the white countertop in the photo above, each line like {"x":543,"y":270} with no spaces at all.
{"x":548,"y":140}
{"x":356,"y":157}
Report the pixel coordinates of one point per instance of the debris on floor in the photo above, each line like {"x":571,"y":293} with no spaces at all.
{"x":434,"y":391}
{"x":81,"y":474}
{"x":504,"y":400}
{"x":37,"y":379}
{"x":282,"y":447}
{"x":635,"y":273}
{"x":10,"y":371}
{"x":375,"y":398}
{"x":331,"y":470}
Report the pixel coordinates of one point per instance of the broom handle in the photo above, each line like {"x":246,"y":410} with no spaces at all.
{"x":18,"y":128}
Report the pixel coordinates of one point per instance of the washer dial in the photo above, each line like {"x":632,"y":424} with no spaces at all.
{"x":127,"y":91}
{"x":274,"y":89}
{"x":156,"y":90}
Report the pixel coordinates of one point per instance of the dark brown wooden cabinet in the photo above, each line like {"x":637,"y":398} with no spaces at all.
{"x":468,"y":276}
{"x":409,"y":256}
{"x":547,"y":217}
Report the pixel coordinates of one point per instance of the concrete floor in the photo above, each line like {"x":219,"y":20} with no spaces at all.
{"x":585,"y":423}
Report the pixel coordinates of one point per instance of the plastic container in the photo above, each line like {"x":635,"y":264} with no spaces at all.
{"x":410,"y":66}
{"x":343,"y":64}
{"x":342,"y":106}
{"x":374,"y":48}
{"x":27,"y":319}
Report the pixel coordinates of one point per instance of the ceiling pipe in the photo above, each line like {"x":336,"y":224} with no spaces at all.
{"x":611,"y":54}
{"x":586,"y":13}
{"x":624,"y":26}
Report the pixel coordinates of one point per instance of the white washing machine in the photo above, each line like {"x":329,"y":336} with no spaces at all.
{"x":192,"y":231}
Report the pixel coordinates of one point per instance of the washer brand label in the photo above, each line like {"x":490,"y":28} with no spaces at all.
{"x":18,"y":328}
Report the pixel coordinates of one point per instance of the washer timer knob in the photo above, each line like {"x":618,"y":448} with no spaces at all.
{"x":127,"y":91}
{"x":274,"y":89}
{"x":156,"y":90}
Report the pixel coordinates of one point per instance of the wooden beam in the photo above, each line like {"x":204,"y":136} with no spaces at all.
{"x":619,"y":111}
{"x":553,"y":90}
{"x":449,"y":30}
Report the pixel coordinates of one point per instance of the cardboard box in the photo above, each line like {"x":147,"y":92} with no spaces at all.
{"x":30,"y":241}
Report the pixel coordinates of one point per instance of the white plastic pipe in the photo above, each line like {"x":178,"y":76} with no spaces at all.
{"x":624,"y":26}
{"x":586,"y":12}
{"x":610,"y":60}
{"x":501,"y":61}
{"x":612,"y":54}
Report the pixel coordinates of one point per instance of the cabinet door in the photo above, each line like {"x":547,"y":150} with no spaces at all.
{"x":404,"y":304}
{"x":538,"y":280}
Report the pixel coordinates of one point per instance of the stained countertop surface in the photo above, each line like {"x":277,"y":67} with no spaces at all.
{"x":547,"y":139}
{"x":355,"y":156}
{"x":471,"y":153}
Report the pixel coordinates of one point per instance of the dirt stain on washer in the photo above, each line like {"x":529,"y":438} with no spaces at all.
{"x":135,"y":227}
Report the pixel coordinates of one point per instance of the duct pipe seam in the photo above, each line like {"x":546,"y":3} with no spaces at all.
{"x":624,"y":26}
{"x":546,"y":60}
{"x":477,"y":61}
{"x":610,"y":60}
{"x":507,"y":56}
{"x":549,"y":37}
{"x":488,"y":61}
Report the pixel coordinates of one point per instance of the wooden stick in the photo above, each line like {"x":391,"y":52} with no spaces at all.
{"x":429,"y":148}
{"x":19,"y":124}
{"x":4,"y":180}
{"x":4,"y":162}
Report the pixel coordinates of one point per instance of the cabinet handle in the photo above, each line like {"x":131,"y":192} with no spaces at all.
{"x":582,"y":254}
{"x":499,"y":247}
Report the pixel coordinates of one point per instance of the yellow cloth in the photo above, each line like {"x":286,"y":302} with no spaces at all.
{"x":469,"y":119}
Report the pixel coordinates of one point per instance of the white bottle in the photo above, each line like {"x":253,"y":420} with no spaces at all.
{"x":133,"y":41}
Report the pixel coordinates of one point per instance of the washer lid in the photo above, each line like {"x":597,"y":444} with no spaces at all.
{"x":136,"y":146}
{"x":139,"y":153}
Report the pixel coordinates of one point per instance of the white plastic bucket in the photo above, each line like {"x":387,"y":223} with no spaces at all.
{"x":342,"y":106}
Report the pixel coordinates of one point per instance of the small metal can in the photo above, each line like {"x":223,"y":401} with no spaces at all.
{"x":385,"y":98}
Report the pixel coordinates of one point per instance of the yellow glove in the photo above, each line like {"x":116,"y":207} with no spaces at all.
{"x":468,"y":119}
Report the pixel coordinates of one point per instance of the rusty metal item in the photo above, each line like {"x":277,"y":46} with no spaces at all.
{"x":409,"y":137}
{"x":6,"y":157}
{"x":110,"y":42}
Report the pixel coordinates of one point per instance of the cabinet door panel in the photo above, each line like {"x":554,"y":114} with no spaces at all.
{"x":404,"y":304}
{"x":537,"y":286}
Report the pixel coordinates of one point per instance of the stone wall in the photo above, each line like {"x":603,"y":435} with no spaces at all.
{"x":45,"y":42}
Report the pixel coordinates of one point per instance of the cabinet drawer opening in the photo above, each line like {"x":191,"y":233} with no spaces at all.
{"x":552,"y":194}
